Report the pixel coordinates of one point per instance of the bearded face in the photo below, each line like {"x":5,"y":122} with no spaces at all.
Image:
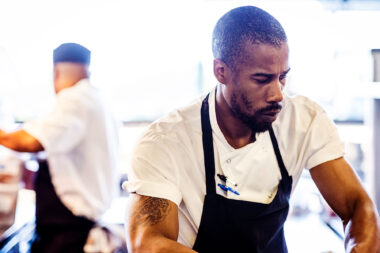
{"x":260,"y":120}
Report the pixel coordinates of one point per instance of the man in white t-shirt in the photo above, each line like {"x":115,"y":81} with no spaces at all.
{"x":77,"y":182}
{"x":216,"y":176}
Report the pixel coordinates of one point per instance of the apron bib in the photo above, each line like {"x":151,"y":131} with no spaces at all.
{"x":57,"y":229}
{"x":229,"y":225}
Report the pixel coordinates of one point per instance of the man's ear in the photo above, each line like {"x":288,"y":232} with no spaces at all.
{"x":221,"y":71}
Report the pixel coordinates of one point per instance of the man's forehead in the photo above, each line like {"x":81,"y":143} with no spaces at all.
{"x":256,"y":54}
{"x":263,"y":49}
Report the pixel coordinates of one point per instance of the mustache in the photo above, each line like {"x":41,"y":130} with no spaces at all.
{"x":272,"y":107}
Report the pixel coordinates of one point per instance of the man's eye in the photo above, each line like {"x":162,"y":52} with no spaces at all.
{"x":263,"y":81}
{"x":282,"y":77}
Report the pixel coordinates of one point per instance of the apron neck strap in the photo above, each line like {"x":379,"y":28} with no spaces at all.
{"x":208,"y":147}
{"x":280,"y":162}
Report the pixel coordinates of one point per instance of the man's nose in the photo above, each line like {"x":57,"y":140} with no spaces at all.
{"x":275,"y":92}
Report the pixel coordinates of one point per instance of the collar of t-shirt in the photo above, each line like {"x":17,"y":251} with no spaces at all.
{"x":81,"y":83}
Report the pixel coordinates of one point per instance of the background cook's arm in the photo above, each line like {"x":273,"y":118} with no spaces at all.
{"x":20,"y":141}
{"x":342,"y":190}
{"x":152,"y":225}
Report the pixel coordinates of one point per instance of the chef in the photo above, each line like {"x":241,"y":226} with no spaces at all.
{"x":77,"y":181}
{"x":217,"y":175}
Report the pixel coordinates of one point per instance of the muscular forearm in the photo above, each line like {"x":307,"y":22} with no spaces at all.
{"x":343,"y":191}
{"x":20,"y":141}
{"x":362,"y":230}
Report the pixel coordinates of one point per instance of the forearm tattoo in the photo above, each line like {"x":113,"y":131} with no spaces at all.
{"x":150,"y":211}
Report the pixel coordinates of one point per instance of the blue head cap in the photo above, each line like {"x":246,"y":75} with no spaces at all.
{"x":72,"y":52}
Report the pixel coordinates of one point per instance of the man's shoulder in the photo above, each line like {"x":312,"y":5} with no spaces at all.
{"x":298,"y":114}
{"x":180,"y":123}
{"x":299,"y":105}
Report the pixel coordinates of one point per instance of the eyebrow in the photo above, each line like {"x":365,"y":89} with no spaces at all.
{"x":270,"y":75}
{"x":286,"y":72}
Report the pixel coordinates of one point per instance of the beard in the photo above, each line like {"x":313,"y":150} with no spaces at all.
{"x":256,"y":123}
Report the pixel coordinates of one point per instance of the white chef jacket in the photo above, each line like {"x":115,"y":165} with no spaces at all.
{"x":168,"y":159}
{"x":80,"y":138}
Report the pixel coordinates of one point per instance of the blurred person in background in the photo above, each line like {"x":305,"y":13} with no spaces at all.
{"x":76,"y":183}
{"x":216,"y":176}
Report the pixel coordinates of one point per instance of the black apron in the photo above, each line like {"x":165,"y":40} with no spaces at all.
{"x":57,"y":229}
{"x":229,"y":225}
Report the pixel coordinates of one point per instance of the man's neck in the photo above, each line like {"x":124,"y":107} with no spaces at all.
{"x":236,"y":132}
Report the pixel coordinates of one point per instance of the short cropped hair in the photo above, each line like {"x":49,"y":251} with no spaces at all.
{"x":72,"y":52}
{"x":241,"y":25}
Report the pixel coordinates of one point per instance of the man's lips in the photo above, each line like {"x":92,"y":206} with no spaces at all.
{"x":271,"y":112}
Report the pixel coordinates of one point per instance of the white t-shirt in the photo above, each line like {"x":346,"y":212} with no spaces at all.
{"x":80,"y":138}
{"x":168,"y":159}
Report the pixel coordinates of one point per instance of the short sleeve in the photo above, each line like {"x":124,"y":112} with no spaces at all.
{"x":322,"y":141}
{"x":61,"y":129}
{"x":154,"y":170}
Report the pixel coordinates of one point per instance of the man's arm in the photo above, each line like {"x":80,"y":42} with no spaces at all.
{"x":20,"y":141}
{"x":152,"y":226}
{"x":342,"y":190}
